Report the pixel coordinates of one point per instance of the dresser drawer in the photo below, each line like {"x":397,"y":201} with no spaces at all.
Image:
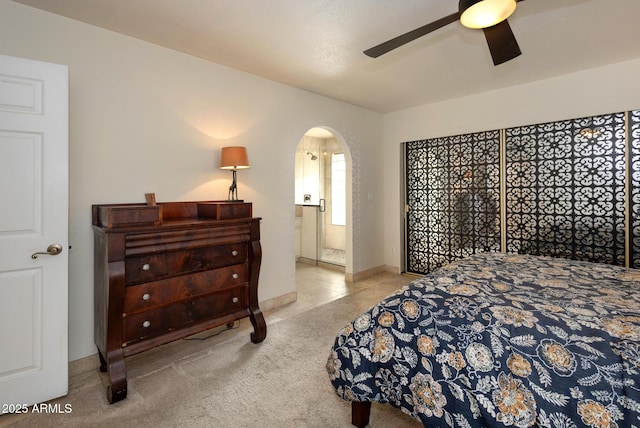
{"x":150,"y":295}
{"x":151,"y":267}
{"x":158,"y":321}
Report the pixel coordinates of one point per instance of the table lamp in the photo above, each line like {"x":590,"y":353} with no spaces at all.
{"x":234,"y":158}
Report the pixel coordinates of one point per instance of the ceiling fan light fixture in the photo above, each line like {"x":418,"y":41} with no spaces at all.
{"x":485,"y":13}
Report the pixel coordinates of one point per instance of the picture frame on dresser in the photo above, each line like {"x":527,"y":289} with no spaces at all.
{"x":167,"y":271}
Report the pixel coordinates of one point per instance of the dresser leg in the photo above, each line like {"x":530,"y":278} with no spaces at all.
{"x":117,"y":389}
{"x":118,"y":395}
{"x":103,"y":363}
{"x":259,"y":326}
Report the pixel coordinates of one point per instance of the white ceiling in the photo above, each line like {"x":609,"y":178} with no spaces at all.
{"x":317,"y":45}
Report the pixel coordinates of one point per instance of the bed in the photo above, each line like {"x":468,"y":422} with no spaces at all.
{"x":498,"y":340}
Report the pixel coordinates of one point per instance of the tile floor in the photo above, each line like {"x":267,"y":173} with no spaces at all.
{"x":332,"y":255}
{"x":317,"y":286}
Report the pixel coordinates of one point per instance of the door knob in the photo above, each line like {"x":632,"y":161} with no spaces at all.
{"x":52,"y":250}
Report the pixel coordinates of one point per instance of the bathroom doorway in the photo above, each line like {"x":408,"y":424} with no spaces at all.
{"x":321,"y":200}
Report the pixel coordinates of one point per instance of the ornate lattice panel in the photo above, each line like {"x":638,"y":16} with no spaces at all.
{"x":453,"y":194}
{"x":634,"y":177}
{"x":565,"y":189}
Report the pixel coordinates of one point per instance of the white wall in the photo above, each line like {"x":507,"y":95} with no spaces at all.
{"x":609,"y":89}
{"x":148,"y":119}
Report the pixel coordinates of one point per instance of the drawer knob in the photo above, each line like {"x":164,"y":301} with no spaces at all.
{"x":146,"y":324}
{"x":234,"y":253}
{"x":234,"y":276}
{"x":235,"y":300}
{"x":145,"y":296}
{"x":146,"y":266}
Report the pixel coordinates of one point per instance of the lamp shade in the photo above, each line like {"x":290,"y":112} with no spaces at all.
{"x":484,"y":13}
{"x":234,"y":158}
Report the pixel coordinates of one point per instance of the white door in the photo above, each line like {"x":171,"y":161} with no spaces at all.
{"x":33,"y":215}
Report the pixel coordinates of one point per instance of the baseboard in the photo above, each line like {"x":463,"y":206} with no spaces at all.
{"x":320,"y":263}
{"x":359,"y":276}
{"x":306,"y":260}
{"x":276,"y":302}
{"x":392,"y":269}
{"x":83,"y":365}
{"x":331,"y":266}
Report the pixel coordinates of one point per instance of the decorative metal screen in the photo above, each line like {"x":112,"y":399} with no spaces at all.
{"x":565,"y":189}
{"x":634,"y":178}
{"x":453,"y":195}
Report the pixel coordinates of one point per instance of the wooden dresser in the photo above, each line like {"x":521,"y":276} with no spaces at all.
{"x":163,"y":272}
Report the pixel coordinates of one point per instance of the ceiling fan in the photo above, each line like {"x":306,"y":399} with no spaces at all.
{"x":490,"y":15}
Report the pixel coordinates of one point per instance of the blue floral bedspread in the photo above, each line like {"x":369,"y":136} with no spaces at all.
{"x":499,"y":340}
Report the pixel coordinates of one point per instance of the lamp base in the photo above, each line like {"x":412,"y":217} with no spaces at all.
{"x":233,"y":189}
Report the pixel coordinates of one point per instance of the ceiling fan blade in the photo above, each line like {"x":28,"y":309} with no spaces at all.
{"x":396,"y":42}
{"x":502,"y":43}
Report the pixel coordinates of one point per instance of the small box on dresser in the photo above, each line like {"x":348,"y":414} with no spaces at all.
{"x":168,"y":272}
{"x":224,"y":211}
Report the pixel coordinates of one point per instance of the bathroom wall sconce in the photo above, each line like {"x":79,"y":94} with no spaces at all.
{"x":234,"y":158}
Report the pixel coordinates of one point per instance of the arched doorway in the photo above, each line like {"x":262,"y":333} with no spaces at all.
{"x":322,"y":198}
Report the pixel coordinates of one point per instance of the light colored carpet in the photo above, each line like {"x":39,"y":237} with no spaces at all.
{"x":227,"y":381}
